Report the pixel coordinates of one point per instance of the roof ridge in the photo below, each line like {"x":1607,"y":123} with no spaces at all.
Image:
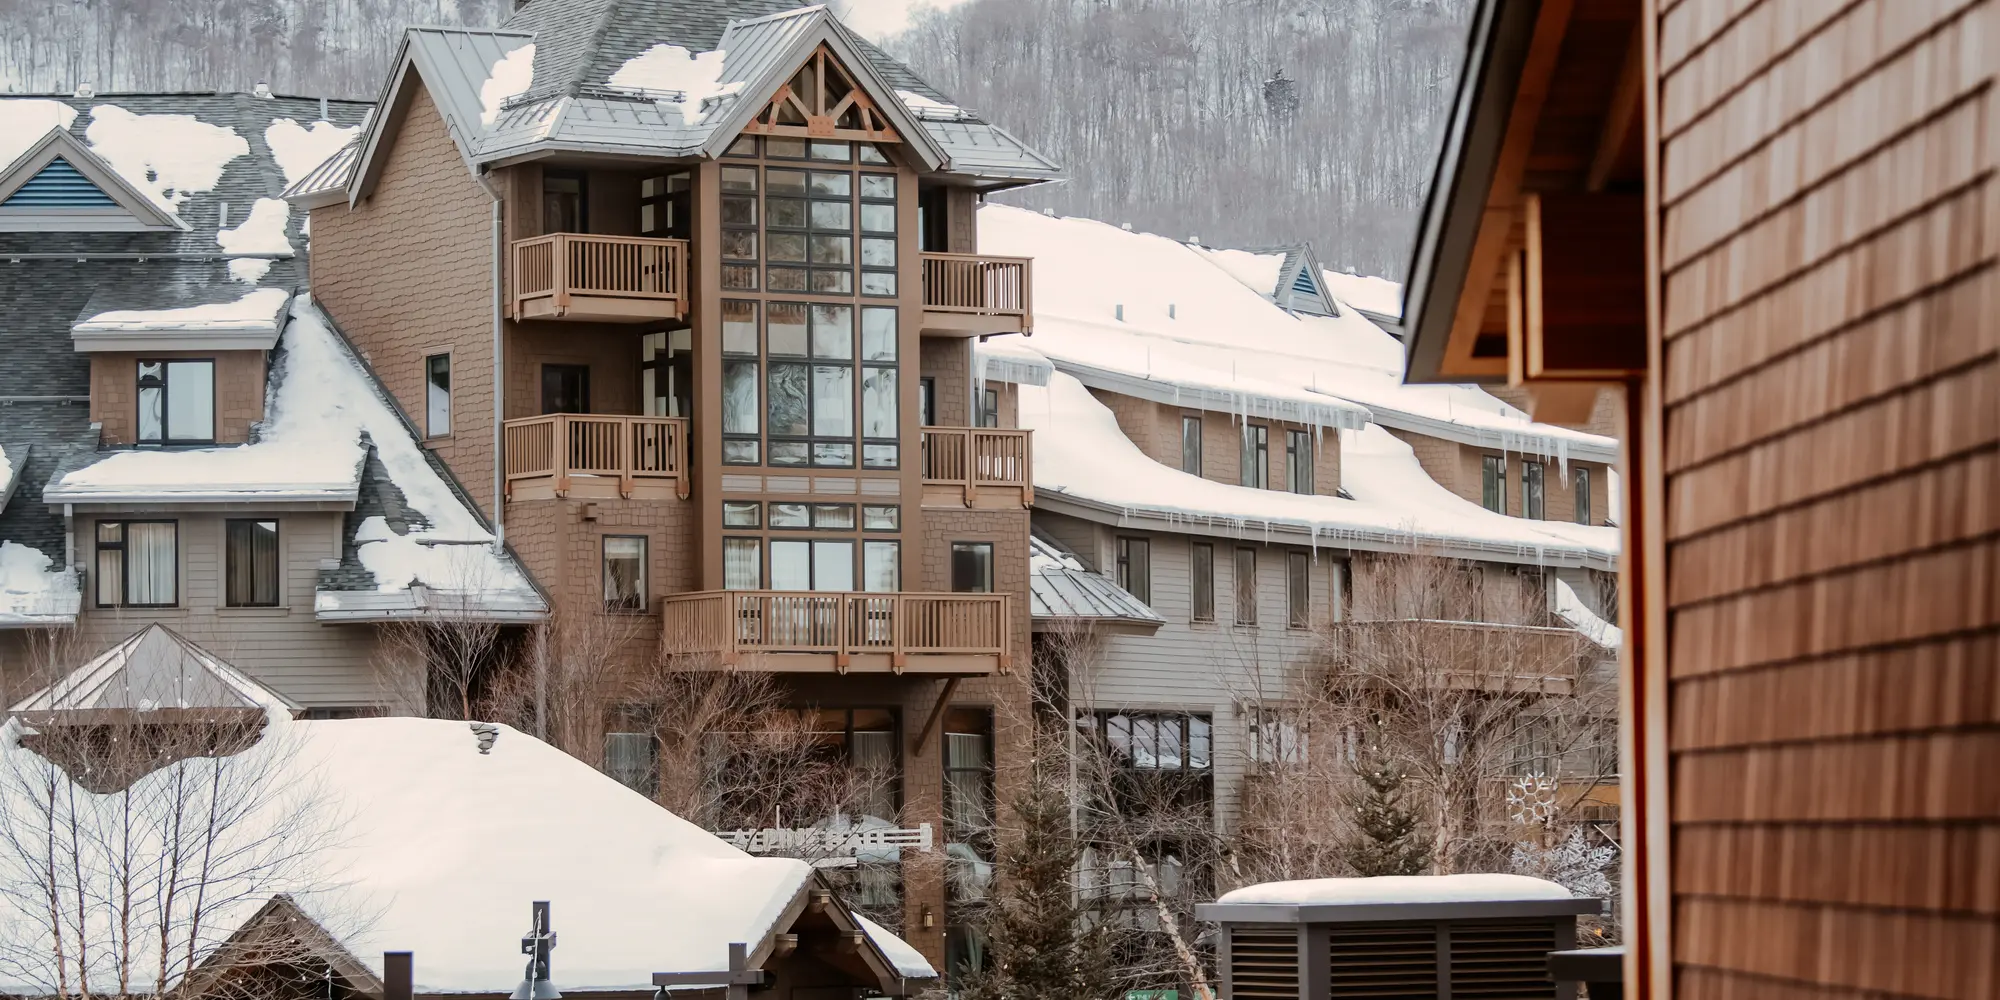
{"x":593,"y":51}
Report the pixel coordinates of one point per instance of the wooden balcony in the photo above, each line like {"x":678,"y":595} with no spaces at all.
{"x":985,"y":468}
{"x":1462,"y":655}
{"x":601,"y":279}
{"x":596,"y":455}
{"x":972,"y":295}
{"x":822,"y":632}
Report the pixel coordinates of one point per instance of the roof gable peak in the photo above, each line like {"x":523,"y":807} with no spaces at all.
{"x":59,"y":185}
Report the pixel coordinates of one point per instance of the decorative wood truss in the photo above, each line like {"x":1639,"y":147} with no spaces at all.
{"x":822,"y":101}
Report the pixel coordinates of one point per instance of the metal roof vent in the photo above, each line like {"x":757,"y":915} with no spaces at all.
{"x":262,"y":90}
{"x":486,"y":733}
{"x":86,"y":91}
{"x":1414,"y":937}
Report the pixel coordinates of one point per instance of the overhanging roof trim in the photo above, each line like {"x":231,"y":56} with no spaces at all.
{"x":452,"y":64}
{"x":1496,"y":49}
{"x":1334,"y":412}
{"x":409,"y":604}
{"x":59,"y":143}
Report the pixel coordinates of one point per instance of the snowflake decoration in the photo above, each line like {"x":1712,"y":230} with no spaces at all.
{"x":1531,"y":800}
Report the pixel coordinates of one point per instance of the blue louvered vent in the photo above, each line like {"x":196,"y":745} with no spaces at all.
{"x":1303,"y":283}
{"x":59,"y":185}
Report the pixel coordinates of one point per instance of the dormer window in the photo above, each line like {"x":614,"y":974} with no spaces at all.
{"x":176,"y":401}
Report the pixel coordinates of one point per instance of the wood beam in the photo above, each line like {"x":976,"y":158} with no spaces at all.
{"x":1503,"y":196}
{"x":937,"y":713}
{"x":1615,"y":138}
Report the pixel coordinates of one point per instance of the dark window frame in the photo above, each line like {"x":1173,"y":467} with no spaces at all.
{"x":1493,"y":483}
{"x":559,"y":370}
{"x":1255,"y":460}
{"x":991,"y":570}
{"x":165,"y":387}
{"x":582,"y":179}
{"x":1299,"y":462}
{"x":1580,"y":486}
{"x":1135,"y":567}
{"x":431,"y":432}
{"x":1191,"y":444}
{"x":1298,"y":590}
{"x":1534,"y":493}
{"x":1245,"y":586}
{"x":1201,"y":603}
{"x":125,"y":562}
{"x":277,"y":580}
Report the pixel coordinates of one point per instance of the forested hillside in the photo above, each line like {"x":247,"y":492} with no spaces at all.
{"x":1168,"y":114}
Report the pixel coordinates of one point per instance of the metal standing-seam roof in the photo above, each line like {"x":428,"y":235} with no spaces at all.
{"x":153,"y":668}
{"x":1061,"y":590}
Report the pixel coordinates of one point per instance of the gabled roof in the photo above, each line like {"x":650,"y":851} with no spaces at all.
{"x":454,"y":65}
{"x":1287,"y":275}
{"x":127,"y":208}
{"x":154,"y":668}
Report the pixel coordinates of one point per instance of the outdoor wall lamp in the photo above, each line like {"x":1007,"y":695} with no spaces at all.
{"x":926,"y":919}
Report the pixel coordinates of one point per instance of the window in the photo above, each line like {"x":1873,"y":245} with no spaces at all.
{"x":1493,"y":483}
{"x":812,"y":564}
{"x":625,"y":572}
{"x":138,"y":564}
{"x":741,"y":388}
{"x":1191,"y":445}
{"x":1135,"y":568}
{"x":878,"y":234}
{"x":250,"y":557}
{"x":1246,"y":586}
{"x":1298,"y":462}
{"x":565,"y":202}
{"x":437,"y":395}
{"x":927,"y":401}
{"x":1583,"y":496}
{"x":879,"y":398}
{"x":809,"y":221}
{"x":176,"y":402}
{"x":739,"y":228}
{"x":865,"y":739}
{"x":972,"y":567}
{"x":1531,"y":490}
{"x":565,"y":388}
{"x":743,"y":563}
{"x":1158,"y":741}
{"x":881,"y":566}
{"x":1256,"y":458}
{"x":1298,"y":590}
{"x":968,"y":778}
{"x":989,"y":408}
{"x":633,"y":760}
{"x":1202,"y":570}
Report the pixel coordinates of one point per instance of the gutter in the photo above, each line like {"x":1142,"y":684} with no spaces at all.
{"x":1555,"y":554}
{"x":499,"y":371}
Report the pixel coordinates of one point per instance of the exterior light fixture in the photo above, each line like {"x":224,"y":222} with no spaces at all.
{"x":537,"y":944}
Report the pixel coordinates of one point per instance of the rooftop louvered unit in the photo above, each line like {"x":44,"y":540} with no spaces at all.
{"x":1384,"y":949}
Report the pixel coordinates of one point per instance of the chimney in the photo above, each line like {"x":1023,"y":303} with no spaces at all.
{"x":397,"y":978}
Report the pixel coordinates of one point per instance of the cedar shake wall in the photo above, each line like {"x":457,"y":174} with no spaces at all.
{"x":944,"y":359}
{"x":1155,"y":428}
{"x":1830,"y":399}
{"x":408,"y":273}
{"x":609,"y":350}
{"x":564,"y":552}
{"x":239,"y":392}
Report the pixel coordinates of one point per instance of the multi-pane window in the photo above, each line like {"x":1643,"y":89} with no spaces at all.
{"x":1493,"y":483}
{"x":865,"y":740}
{"x":878,"y":387}
{"x":972,"y":567}
{"x":802,"y":557}
{"x":809,"y":225}
{"x":1246,"y":586}
{"x":812,"y":564}
{"x":1256,"y":457}
{"x":878,"y":233}
{"x":250,"y":564}
{"x":138,"y":564}
{"x":743,"y":563}
{"x":1158,"y":741}
{"x":625,"y":572}
{"x":437,"y":395}
{"x":176,"y":401}
{"x":1191,"y":445}
{"x":813,"y":355}
{"x":739,"y":228}
{"x":989,"y":408}
{"x":1298,"y":462}
{"x":1298,"y":590}
{"x":968,"y":778}
{"x":1531,"y":490}
{"x":741,"y":388}
{"x":1202,"y":572}
{"x":1582,"y":493}
{"x":1135,"y":568}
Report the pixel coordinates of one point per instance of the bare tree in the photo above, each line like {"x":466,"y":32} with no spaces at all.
{"x":439,"y":661}
{"x":570,"y":669}
{"x":135,"y":845}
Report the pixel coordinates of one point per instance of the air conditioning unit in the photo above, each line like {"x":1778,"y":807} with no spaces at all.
{"x":1415,"y":937}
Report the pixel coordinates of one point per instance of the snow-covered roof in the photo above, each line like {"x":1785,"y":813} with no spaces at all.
{"x":1147,"y":316}
{"x":1061,"y":589}
{"x":1375,"y":296}
{"x":440,"y":849}
{"x":1010,"y":359}
{"x":1084,"y":462}
{"x":216,"y":317}
{"x":908,"y":962}
{"x":1398,"y":889}
{"x":34,"y":590}
{"x":154,"y":668}
{"x":1571,"y":608}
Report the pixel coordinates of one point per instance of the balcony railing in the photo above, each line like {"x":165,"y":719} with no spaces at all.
{"x":978,"y":467}
{"x":1463,"y":655}
{"x":974,"y":293}
{"x":596,"y":455}
{"x":814,"y":631}
{"x":614,"y":279}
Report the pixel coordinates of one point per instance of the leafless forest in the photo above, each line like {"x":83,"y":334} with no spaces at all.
{"x":1168,"y":114}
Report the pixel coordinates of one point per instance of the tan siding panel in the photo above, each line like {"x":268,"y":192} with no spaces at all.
{"x":1912,"y":867}
{"x":1909,"y":954}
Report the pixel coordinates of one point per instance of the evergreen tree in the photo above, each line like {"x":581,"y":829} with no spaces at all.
{"x":1038,"y":944}
{"x":1385,"y":841}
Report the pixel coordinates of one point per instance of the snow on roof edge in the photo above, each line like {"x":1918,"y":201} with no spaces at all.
{"x":1378,"y":889}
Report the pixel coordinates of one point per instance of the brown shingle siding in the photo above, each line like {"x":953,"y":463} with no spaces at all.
{"x":239,"y":392}
{"x":408,"y":272}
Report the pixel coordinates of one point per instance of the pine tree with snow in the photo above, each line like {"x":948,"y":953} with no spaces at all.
{"x":1385,"y":840}
{"x":1038,"y":943}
